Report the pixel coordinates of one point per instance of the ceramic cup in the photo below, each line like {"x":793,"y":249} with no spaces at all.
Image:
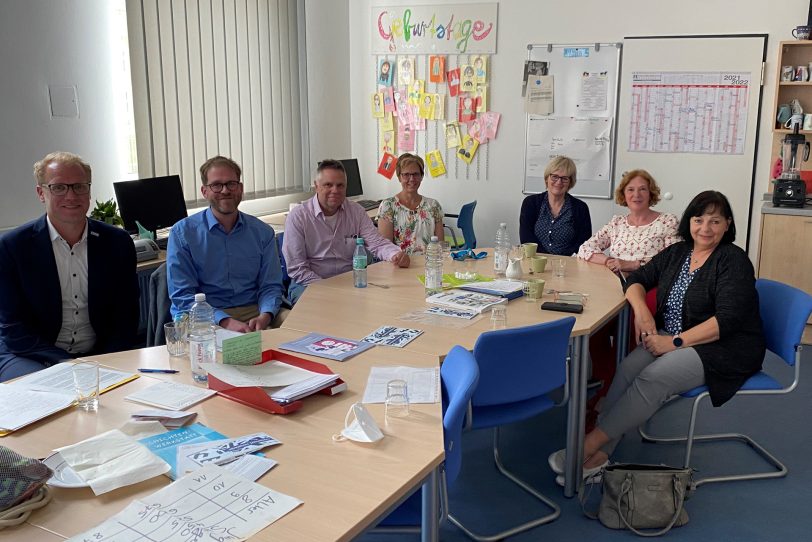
{"x":801,"y":74}
{"x":530,"y":249}
{"x":801,"y":32}
{"x":784,"y":113}
{"x":537,"y":264}
{"x":533,"y":289}
{"x":793,"y":121}
{"x":807,"y":121}
{"x":787,"y":73}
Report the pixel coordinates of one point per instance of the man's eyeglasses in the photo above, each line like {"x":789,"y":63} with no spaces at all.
{"x":60,"y":189}
{"x":218,"y":187}
{"x":563,"y":179}
{"x":416,"y":175}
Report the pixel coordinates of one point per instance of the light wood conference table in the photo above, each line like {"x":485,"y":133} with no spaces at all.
{"x":334,"y":306}
{"x":346,"y":487}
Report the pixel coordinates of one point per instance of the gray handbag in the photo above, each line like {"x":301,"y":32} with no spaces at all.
{"x":639,"y":497}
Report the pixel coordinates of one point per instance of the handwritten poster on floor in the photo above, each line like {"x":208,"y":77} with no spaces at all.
{"x":585,"y":140}
{"x":702,"y":112}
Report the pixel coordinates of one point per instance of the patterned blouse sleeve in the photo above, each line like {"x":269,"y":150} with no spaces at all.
{"x":598,"y":242}
{"x":387,"y":210}
{"x":670,"y":235}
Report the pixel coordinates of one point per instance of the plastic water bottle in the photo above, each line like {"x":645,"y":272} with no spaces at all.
{"x":359,"y":264}
{"x":434,"y":267}
{"x":501,"y":250}
{"x":201,"y":337}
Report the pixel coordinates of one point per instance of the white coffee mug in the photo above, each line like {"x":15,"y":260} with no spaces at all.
{"x":808,"y":121}
{"x":794,"y":120}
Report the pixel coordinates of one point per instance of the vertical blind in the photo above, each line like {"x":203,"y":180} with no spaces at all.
{"x":220,"y":77}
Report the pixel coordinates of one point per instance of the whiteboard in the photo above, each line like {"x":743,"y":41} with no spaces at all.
{"x":587,"y":136}
{"x":682,"y":175}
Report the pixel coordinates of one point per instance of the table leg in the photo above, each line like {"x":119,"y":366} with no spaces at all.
{"x":430,"y":515}
{"x":576,"y":411}
{"x":623,"y":333}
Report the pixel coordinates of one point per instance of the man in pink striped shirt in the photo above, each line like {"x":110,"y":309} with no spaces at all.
{"x":320,"y":234}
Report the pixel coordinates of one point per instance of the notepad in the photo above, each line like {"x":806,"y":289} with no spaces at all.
{"x":170,"y":395}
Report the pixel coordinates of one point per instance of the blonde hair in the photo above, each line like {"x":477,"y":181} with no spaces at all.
{"x":60,"y":157}
{"x":561,"y":163}
{"x":407,"y":158}
{"x":653,"y":187}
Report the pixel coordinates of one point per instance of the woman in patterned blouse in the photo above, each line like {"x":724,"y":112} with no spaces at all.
{"x":409,"y":219}
{"x":637,"y":237}
{"x":707,"y":329}
{"x":558,"y":222}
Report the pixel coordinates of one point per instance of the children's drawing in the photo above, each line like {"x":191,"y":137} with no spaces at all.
{"x":452,"y":135}
{"x":377,"y":105}
{"x":436,"y":68}
{"x":439,"y":107}
{"x":480,"y":63}
{"x":434,"y":161}
{"x":385,"y":73}
{"x":405,"y":138}
{"x":388,"y":100}
{"x":387,"y":143}
{"x":387,"y":165}
{"x":405,"y":70}
{"x":481,"y":96}
{"x":385,"y":123}
{"x":453,"y":82}
{"x":468,"y":79}
{"x":426,"y":110}
{"x":468,"y":149}
{"x":466,"y":108}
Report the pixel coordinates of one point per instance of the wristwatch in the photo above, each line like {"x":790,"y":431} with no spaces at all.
{"x":677,"y":341}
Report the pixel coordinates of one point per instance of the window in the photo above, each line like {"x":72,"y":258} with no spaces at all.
{"x":220,"y":77}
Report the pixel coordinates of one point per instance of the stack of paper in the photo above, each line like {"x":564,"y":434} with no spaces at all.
{"x":171,"y":419}
{"x":471,"y":301}
{"x":510,"y":289}
{"x":325,"y":346}
{"x":303,"y":388}
{"x":20,"y":407}
{"x":170,"y":395}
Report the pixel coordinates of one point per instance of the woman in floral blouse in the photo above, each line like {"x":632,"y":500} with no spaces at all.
{"x":637,"y":237}
{"x":409,"y":219}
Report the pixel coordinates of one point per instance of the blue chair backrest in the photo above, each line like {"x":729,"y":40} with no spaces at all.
{"x":459,"y":376}
{"x":784,"y":311}
{"x":521,"y":363}
{"x":465,"y":223}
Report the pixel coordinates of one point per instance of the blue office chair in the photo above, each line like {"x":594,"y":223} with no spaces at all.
{"x":518,"y":369}
{"x":784,"y":312}
{"x":459,"y":375}
{"x":465,"y":224}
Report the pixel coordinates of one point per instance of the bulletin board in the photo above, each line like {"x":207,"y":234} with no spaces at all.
{"x":583,"y":122}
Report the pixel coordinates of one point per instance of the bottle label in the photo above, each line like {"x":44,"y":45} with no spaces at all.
{"x":359,"y":262}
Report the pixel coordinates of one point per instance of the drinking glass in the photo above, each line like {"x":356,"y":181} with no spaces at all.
{"x":86,"y":382}
{"x":397,"y":399}
{"x":175,"y":333}
{"x":560,"y":268}
{"x":446,"y":248}
{"x":499,"y":317}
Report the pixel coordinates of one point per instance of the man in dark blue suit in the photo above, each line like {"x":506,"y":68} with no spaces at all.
{"x":68,"y":284}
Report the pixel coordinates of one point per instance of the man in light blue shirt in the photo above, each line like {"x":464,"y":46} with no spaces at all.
{"x":228,"y":255}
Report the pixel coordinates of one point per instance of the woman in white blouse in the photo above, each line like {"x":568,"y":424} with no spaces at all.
{"x":633,"y":239}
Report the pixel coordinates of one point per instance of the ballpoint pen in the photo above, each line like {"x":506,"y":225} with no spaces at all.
{"x":167,"y":371}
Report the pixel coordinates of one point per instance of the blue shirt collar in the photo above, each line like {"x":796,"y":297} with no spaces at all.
{"x":211,"y":221}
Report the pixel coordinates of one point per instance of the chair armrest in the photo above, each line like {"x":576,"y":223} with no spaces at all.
{"x":450,"y":215}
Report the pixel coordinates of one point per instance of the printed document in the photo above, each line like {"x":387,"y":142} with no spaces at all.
{"x":423,"y":383}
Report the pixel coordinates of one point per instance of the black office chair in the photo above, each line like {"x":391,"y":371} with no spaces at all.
{"x":159,"y":305}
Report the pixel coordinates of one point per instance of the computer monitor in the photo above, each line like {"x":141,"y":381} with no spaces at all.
{"x":156,"y":203}
{"x":354,"y":187}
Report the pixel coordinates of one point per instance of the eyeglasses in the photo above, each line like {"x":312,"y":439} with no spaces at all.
{"x":218,"y":187}
{"x":416,"y":175}
{"x":560,"y":179}
{"x":60,"y":189}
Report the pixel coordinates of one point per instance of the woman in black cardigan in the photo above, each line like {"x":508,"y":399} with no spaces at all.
{"x":558,"y":222}
{"x":707,"y":330}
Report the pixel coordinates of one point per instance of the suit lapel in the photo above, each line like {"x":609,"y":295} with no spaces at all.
{"x":42,"y":265}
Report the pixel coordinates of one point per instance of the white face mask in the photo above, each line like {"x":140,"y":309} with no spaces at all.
{"x":362,"y":429}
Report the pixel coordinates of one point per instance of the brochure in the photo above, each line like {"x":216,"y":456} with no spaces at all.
{"x":471,"y":301}
{"x":324,"y":346}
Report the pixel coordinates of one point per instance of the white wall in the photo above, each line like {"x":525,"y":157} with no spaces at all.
{"x":536,"y":21}
{"x":66,"y":42}
{"x":46,"y":42}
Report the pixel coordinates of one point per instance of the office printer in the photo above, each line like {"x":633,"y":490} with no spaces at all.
{"x":146,"y":249}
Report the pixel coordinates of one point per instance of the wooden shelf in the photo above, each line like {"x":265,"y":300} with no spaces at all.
{"x":795,"y":84}
{"x":787,"y":131}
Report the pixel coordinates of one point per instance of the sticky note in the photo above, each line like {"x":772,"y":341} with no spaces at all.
{"x":243,"y":350}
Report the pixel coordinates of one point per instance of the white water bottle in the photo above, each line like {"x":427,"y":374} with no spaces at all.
{"x":201,"y":337}
{"x":359,"y":264}
{"x":434,"y":267}
{"x":501,"y":250}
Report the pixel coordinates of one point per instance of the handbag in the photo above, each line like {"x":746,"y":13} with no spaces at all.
{"x":639,"y":497}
